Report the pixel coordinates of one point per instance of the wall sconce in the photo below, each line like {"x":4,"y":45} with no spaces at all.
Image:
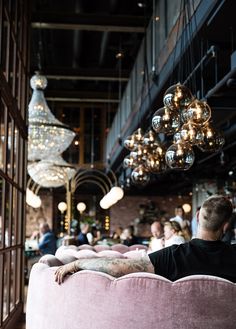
{"x":62,"y":206}
{"x":81,"y":206}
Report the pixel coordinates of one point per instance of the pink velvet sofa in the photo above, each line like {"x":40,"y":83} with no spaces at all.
{"x":95,"y":300}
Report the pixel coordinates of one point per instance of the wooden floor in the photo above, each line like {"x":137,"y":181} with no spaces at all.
{"x":20,"y":325}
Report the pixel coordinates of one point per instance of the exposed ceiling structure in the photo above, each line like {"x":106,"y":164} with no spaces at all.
{"x":77,"y":44}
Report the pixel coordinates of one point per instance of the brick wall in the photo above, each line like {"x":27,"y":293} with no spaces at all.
{"x":127,"y":211}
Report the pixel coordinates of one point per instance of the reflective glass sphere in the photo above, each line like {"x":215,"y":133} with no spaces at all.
{"x":213,"y":140}
{"x":180,"y":156}
{"x":129,"y":143}
{"x":197,"y":112}
{"x":139,"y":155}
{"x":165,"y":121}
{"x":129,"y":162}
{"x":177,"y":97}
{"x":140,"y":175}
{"x":155,"y":163}
{"x":190,"y":133}
{"x":177,"y":137}
{"x":138,"y":135}
{"x":149,"y":138}
{"x":159,"y":151}
{"x":151,"y":141}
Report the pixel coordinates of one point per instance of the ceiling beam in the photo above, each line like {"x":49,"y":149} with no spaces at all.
{"x":81,"y":96}
{"x":85,"y":78}
{"x":81,"y":100}
{"x":89,"y":22}
{"x":85,"y":74}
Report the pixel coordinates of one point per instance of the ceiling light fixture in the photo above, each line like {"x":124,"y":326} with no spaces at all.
{"x":46,"y":135}
{"x":51,"y":172}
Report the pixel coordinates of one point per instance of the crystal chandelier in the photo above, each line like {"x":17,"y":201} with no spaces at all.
{"x":46,"y":135}
{"x":51,"y":172}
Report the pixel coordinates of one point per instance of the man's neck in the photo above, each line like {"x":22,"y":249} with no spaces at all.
{"x":208,"y":235}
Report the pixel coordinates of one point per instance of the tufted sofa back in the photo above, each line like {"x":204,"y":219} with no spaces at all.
{"x":95,"y":300}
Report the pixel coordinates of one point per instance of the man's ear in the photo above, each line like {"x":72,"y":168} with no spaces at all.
{"x":197,"y":215}
{"x":225,"y":226}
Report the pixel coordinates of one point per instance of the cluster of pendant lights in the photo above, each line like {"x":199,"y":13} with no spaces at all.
{"x":188,"y":120}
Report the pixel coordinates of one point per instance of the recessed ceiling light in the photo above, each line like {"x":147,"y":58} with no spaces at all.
{"x":119,"y":55}
{"x":141,"y":4}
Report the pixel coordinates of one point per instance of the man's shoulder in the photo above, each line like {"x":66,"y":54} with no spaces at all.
{"x":170,"y":249}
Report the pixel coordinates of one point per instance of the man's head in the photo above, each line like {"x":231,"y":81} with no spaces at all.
{"x":215,"y":212}
{"x":157,"y":229}
{"x":44,"y":228}
{"x":179,"y":211}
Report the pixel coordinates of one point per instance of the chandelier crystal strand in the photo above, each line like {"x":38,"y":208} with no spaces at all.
{"x":46,"y":135}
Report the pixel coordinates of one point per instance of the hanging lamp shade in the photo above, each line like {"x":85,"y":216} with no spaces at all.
{"x":138,"y":135}
{"x":53,"y":172}
{"x":190,"y":133}
{"x":151,"y":140}
{"x":129,"y":143}
{"x":129,"y":162}
{"x":198,"y":112}
{"x":180,"y":156}
{"x":177,"y":97}
{"x":32,"y":199}
{"x":213,"y":140}
{"x":140,"y":175}
{"x":138,"y":156}
{"x":155,"y":163}
{"x":166,"y":121}
{"x":117,"y":192}
{"x":46,"y":135}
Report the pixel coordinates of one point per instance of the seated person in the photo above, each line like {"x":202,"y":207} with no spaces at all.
{"x":157,"y":241}
{"x":117,"y":233}
{"x":179,"y":217}
{"x":82,"y":237}
{"x":94,"y":235}
{"x":127,"y":236}
{"x":172,"y":234}
{"x":47,"y":241}
{"x":206,"y":254}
